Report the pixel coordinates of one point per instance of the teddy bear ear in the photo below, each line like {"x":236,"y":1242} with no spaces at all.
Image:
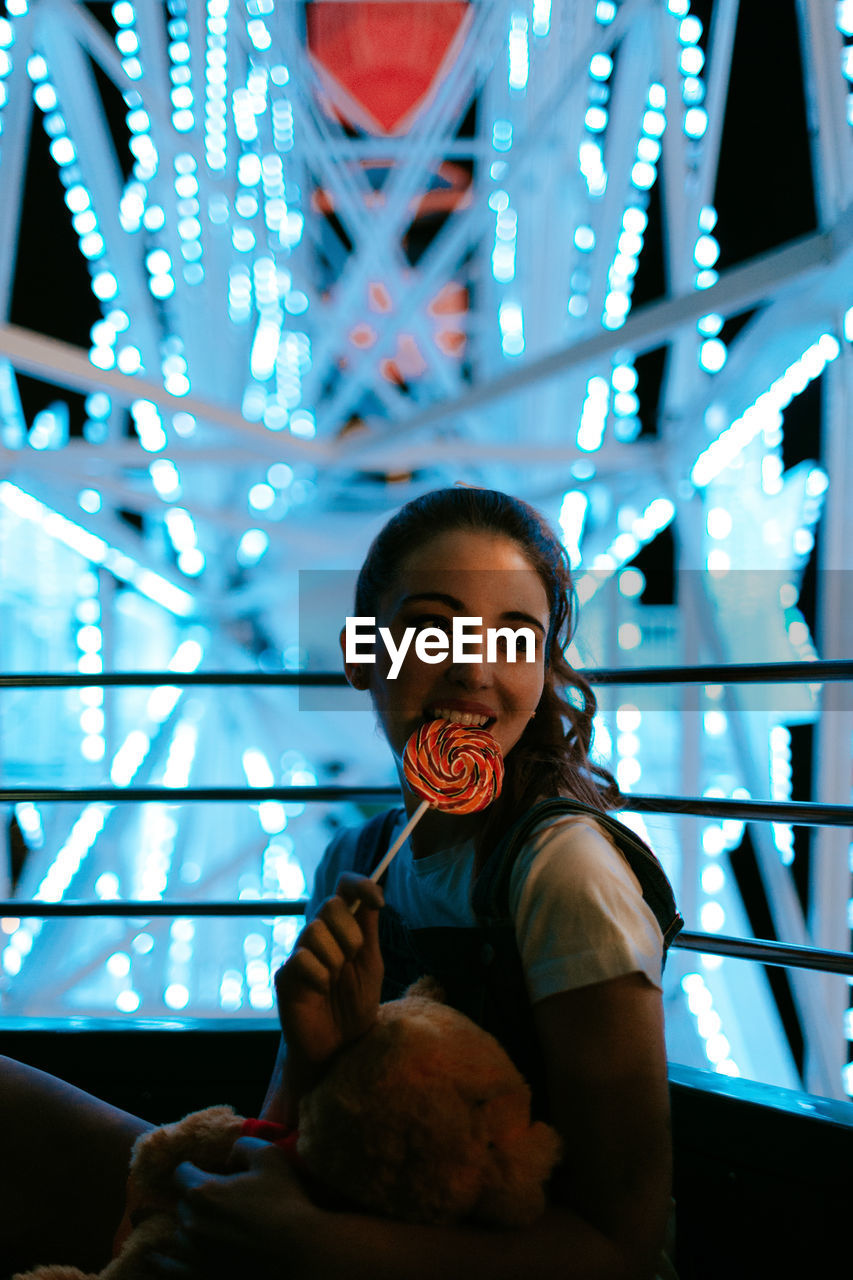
{"x":428,"y":988}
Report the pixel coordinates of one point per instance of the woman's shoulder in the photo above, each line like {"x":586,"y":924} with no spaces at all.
{"x":564,"y":819}
{"x":578,"y":907}
{"x":572,"y":848}
{"x":583,"y":833}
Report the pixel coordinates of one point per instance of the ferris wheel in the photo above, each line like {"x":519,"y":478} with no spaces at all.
{"x":269,"y":268}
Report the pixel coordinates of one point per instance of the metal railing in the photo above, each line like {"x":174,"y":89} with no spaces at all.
{"x":763,"y":951}
{"x":827,"y":670}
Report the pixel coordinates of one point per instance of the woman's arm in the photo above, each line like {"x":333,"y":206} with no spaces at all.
{"x":262,"y":1221}
{"x":327,"y":992}
{"x":604,"y":1053}
{"x":605,"y":1057}
{"x":277,"y":1105}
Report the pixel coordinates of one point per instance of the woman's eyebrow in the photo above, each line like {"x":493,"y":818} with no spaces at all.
{"x":515,"y":615}
{"x":441,"y":597}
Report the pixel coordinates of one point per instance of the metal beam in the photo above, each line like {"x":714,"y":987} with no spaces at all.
{"x":648,"y":327}
{"x":64,"y":365}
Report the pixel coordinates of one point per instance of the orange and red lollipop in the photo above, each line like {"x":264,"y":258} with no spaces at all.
{"x":456,"y":768}
{"x":452,"y":767}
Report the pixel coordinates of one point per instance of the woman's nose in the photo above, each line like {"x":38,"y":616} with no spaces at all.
{"x":472,"y":675}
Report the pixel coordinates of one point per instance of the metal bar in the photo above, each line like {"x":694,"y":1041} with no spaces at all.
{"x":749,"y":741}
{"x":799,"y":812}
{"x":143,"y":910}
{"x":17,"y":122}
{"x":722,"y":673}
{"x":818,"y":672}
{"x":178,"y":679}
{"x":829,"y":868}
{"x":180,"y":795}
{"x":826,"y":107}
{"x":777,"y":953}
{"x":762,"y":950}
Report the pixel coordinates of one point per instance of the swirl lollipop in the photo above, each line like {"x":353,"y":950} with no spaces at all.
{"x":454,"y":768}
{"x":451,"y":767}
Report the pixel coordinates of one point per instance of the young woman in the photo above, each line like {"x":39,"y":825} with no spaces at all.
{"x":552,"y":940}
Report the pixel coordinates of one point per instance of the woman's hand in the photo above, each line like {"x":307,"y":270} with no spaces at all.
{"x":328,"y":991}
{"x":257,"y":1221}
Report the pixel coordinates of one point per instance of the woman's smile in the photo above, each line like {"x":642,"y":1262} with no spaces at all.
{"x":470,"y":714}
{"x":485,"y":579}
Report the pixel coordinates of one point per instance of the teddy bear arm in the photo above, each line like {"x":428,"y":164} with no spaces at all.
{"x":205,"y":1137}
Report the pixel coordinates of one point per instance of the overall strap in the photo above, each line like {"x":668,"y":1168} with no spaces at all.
{"x":372,"y":841}
{"x":490,"y":897}
{"x":478,"y":965}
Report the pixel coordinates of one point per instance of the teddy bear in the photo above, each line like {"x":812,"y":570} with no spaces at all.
{"x":423,"y":1119}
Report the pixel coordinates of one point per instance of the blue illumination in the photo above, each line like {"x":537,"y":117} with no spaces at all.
{"x":654,"y":123}
{"x":511,"y":320}
{"x":590,"y":435}
{"x":690,"y":30}
{"x":502,"y":135}
{"x":541,"y":17}
{"x":712,"y":355}
{"x":519,"y":58}
{"x":695,"y":122}
{"x":643,"y":175}
{"x":706,"y":252}
{"x":585,"y":239}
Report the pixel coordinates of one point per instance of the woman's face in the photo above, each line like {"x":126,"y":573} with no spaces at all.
{"x":459,"y":574}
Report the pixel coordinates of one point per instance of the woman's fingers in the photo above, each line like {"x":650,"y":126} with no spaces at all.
{"x":336,"y":957}
{"x":188,"y":1177}
{"x":342,"y":927}
{"x":257,"y":1153}
{"x":303,"y":969}
{"x":335,"y":934}
{"x":321,"y":941}
{"x":221,"y":1216}
{"x":353,"y":888}
{"x":201,"y":1202}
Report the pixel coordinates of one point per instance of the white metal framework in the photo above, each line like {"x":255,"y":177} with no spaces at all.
{"x":303,"y":321}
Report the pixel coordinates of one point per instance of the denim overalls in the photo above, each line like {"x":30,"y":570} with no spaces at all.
{"x":479,"y":966}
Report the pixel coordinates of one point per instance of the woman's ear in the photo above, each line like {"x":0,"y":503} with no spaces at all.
{"x":354,"y":671}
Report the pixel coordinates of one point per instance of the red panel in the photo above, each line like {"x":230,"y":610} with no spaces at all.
{"x":379,"y":62}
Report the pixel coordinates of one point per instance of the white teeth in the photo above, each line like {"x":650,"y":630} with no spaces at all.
{"x":460,"y":717}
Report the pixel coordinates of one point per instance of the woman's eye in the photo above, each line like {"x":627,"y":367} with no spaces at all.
{"x":434,"y":620}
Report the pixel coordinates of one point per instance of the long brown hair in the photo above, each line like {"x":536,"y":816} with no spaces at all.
{"x":551,"y":757}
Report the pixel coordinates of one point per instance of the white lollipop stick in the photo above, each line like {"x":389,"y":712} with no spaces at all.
{"x":395,"y":848}
{"x":392,"y":852}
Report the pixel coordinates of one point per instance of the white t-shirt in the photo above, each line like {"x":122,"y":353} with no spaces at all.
{"x":579,"y":912}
